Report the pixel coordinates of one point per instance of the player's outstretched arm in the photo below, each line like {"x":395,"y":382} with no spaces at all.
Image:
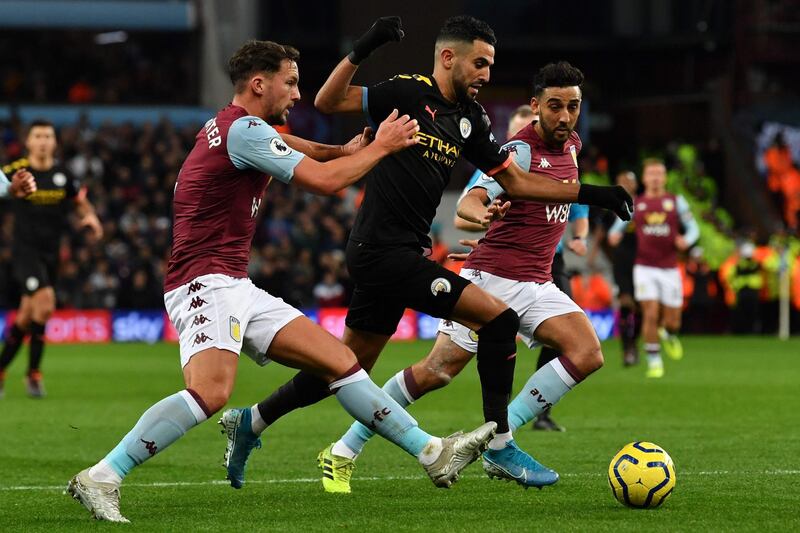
{"x":327,"y":152}
{"x":394,"y":134}
{"x":465,"y":225}
{"x":474,"y":209}
{"x":529,"y":186}
{"x":337,"y":95}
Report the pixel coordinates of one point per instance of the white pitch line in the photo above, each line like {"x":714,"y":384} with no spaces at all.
{"x":383,"y":478}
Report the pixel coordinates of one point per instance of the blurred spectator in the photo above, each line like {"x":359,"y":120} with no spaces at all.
{"x":783,"y":181}
{"x":148,"y":67}
{"x":746,"y":280}
{"x":329,"y":292}
{"x":141,"y":292}
{"x":130,"y":174}
{"x":704,"y":308}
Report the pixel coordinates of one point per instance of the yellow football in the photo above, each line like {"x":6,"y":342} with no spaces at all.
{"x":641,"y":475}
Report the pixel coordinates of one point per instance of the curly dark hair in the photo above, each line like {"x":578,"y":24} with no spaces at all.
{"x":560,"y":74}
{"x":464,"y":28}
{"x":258,"y":56}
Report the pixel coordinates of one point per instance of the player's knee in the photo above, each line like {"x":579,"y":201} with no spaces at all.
{"x":44,"y":314}
{"x":594,"y":358}
{"x":43,"y":308}
{"x":338,"y":364}
{"x":214,"y":396}
{"x":588,"y":357}
{"x":434,"y":376}
{"x":501,"y":328}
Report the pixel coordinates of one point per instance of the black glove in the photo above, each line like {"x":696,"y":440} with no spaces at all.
{"x":384,"y":29}
{"x":614,"y":199}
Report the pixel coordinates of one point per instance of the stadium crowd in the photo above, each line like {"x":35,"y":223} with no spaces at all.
{"x":298,"y":251}
{"x":150,"y":68}
{"x":130,"y":174}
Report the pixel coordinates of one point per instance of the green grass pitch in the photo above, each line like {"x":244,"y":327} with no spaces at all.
{"x":727,"y":413}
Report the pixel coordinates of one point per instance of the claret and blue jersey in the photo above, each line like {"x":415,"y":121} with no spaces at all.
{"x":529,"y":233}
{"x":219,"y":192}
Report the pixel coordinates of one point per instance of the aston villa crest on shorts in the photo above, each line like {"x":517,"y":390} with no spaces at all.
{"x":236,"y":329}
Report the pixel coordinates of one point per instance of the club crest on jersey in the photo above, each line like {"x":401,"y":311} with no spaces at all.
{"x":440,"y":285}
{"x":465,"y":126}
{"x":668,"y":204}
{"x":236,"y":329}
{"x":31,"y":284}
{"x":654,"y":219}
{"x":279,"y":147}
{"x":574,"y":153}
{"x":59,"y":179}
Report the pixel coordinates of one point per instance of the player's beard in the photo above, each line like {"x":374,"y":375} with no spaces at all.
{"x":550,"y":134}
{"x":461,"y":90}
{"x":278,"y":118}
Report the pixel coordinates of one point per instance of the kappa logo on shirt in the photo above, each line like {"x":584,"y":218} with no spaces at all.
{"x":544,"y":163}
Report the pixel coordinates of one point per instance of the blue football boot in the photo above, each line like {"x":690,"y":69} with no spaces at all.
{"x":513,"y":464}
{"x":236,"y":424}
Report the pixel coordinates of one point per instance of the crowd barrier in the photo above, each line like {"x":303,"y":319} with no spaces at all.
{"x":99,"y":326}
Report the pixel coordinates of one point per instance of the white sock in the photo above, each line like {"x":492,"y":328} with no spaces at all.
{"x":431,"y":451}
{"x":257,"y":423}
{"x":343,"y":450}
{"x":499,"y":441}
{"x":103,"y":473}
{"x":653,"y":354}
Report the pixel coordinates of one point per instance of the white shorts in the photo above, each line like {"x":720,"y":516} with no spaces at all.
{"x":662,"y":284}
{"x":533,"y":302}
{"x":218,"y":311}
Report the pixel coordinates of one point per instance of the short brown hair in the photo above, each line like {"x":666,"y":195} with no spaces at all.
{"x":523,"y":111}
{"x":39,"y":123}
{"x":651,"y":161}
{"x":258,"y":56}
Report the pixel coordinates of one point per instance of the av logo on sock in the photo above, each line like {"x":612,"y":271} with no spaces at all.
{"x":379,"y":415}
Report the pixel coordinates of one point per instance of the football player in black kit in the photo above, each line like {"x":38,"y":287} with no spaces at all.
{"x":388,"y":243}
{"x":39,"y":222}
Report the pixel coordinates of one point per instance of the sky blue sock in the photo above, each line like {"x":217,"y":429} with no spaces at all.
{"x":379,"y":412}
{"x":358,"y":434}
{"x":543,"y":390}
{"x":161,"y":425}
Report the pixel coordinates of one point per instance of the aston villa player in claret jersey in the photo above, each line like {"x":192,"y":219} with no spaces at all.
{"x":657,"y":283}
{"x":217,"y":310}
{"x":386,"y":251}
